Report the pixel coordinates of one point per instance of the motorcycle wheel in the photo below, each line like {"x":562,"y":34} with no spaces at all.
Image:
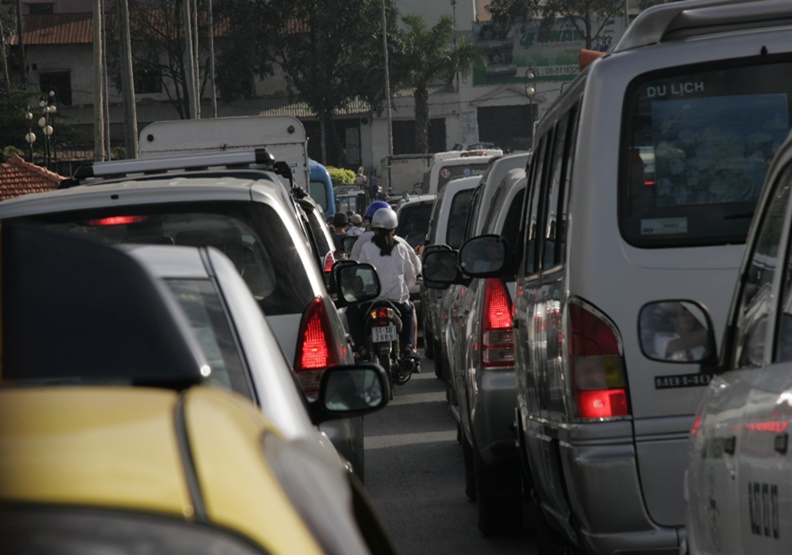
{"x":383,"y":359}
{"x":404,"y":371}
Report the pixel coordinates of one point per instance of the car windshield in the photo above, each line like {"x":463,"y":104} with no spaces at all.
{"x":699,"y":144}
{"x":248,"y":233}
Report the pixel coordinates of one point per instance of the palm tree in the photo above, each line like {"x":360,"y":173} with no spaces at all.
{"x":429,"y":55}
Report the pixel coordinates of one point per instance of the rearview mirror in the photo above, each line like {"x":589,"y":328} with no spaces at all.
{"x":347,"y":391}
{"x":356,"y":282}
{"x":440,"y":269}
{"x":483,"y":256}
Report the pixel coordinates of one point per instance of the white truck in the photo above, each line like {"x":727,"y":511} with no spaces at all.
{"x":401,"y":173}
{"x":283,"y":136}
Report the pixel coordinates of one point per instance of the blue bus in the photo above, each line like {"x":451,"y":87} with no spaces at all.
{"x":321,"y":187}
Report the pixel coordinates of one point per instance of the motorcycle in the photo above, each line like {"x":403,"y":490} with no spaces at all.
{"x":383,"y":326}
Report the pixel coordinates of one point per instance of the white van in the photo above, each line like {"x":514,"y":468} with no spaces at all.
{"x":643,"y":180}
{"x":454,"y":165}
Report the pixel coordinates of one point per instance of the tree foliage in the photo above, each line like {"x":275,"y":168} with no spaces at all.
{"x":428,"y":55}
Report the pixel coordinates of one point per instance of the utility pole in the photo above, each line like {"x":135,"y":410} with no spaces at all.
{"x":197,"y":60}
{"x":387,"y":80}
{"x":128,"y":83}
{"x":6,"y":76}
{"x":22,"y":61}
{"x":188,"y":51}
{"x":212,"y":61}
{"x":98,"y":96}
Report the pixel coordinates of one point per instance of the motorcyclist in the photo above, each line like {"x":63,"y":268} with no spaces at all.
{"x":397,"y":267}
{"x":366,"y":236}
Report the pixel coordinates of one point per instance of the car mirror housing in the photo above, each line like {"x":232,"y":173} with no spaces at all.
{"x":440,"y":269}
{"x":346,"y":391}
{"x":355,"y":282}
{"x":484,"y":256}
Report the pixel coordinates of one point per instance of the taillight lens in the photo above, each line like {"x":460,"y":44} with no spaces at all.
{"x":315,"y":347}
{"x":497,"y":335}
{"x":329,"y":260}
{"x":597,"y":365}
{"x":116,"y":220}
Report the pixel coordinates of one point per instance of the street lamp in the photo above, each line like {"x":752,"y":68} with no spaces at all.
{"x":48,"y":109}
{"x":530,"y":90}
{"x":30,"y":137}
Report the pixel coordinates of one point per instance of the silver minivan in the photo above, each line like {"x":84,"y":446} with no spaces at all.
{"x":644,"y":177}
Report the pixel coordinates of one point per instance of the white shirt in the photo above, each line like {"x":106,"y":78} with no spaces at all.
{"x":363,"y":238}
{"x":397,"y":272}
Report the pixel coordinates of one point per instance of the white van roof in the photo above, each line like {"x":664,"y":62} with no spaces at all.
{"x":437,"y":156}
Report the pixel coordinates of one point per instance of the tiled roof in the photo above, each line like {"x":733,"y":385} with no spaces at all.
{"x":18,"y":177}
{"x":53,"y":29}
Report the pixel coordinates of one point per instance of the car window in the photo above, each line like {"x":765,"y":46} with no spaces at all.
{"x":511,"y":225}
{"x":414,"y":222}
{"x":557,"y":160}
{"x":320,"y":235}
{"x":756,"y":300}
{"x":210,"y":324}
{"x":250,"y":234}
{"x":458,"y":217}
{"x":784,"y":336}
{"x":431,"y":233}
{"x":699,"y":145}
{"x":532,"y":236}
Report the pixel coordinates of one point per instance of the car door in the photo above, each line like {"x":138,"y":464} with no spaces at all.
{"x":733,"y":494}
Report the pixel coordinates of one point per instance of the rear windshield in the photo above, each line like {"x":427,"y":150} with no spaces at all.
{"x":458,"y":217}
{"x":450,"y":172}
{"x":414,"y":222}
{"x":248,"y":233}
{"x":698,"y":145}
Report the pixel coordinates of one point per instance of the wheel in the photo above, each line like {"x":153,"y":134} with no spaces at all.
{"x":404,"y":371}
{"x":499,"y":496}
{"x":429,"y":343}
{"x":470,"y":476}
{"x":383,"y":359}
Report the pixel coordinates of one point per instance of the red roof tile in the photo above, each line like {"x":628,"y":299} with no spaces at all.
{"x":18,"y":177}
{"x":62,"y":28}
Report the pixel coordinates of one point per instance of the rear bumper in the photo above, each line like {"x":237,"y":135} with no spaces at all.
{"x":605,"y":495}
{"x":492,"y":416}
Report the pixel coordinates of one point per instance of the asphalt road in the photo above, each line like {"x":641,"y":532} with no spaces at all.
{"x":415,"y":476}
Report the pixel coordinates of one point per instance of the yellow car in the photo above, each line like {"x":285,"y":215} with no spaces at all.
{"x":130,"y":470}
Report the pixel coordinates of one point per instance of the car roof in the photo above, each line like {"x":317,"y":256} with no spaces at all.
{"x":101,"y":315}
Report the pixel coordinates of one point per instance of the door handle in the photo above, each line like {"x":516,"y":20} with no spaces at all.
{"x":781,"y":442}
{"x":730,"y":445}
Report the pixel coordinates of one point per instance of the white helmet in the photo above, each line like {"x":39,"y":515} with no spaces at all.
{"x":384,"y":218}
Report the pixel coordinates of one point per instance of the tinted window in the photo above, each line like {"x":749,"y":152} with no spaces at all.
{"x":784,"y":348}
{"x":204,"y":309}
{"x":555,"y":171}
{"x":457,"y":218}
{"x":532,"y":214}
{"x":698,"y":146}
{"x":756,"y":297}
{"x":318,"y":192}
{"x":250,"y":234}
{"x":414,"y":222}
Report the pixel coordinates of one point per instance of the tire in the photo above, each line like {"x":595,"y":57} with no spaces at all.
{"x":498,"y":513}
{"x":470,"y":475}
{"x":429,"y":344}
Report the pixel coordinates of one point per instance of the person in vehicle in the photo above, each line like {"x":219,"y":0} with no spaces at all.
{"x":398,"y":268}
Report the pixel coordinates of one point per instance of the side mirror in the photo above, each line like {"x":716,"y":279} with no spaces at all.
{"x":675,"y":332}
{"x":348,"y":391}
{"x":484,"y":256}
{"x":355,"y":282}
{"x":440,"y":269}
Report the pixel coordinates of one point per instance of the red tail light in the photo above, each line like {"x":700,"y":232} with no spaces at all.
{"x":597,"y":366}
{"x":315,"y":348}
{"x":117,"y":220}
{"x":329,"y":260}
{"x":497,"y":335}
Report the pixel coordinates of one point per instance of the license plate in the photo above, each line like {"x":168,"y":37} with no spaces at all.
{"x":383,"y":334}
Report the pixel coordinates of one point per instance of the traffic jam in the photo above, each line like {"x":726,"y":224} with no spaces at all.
{"x":603,"y":318}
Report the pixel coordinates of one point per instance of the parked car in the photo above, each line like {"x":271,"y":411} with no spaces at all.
{"x":737,"y":481}
{"x":120,"y":433}
{"x":482,"y":372}
{"x":249,"y":215}
{"x":446,"y":229}
{"x":640,"y":189}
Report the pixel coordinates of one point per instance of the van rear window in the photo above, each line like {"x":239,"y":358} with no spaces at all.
{"x":450,"y":172}
{"x":698,"y":146}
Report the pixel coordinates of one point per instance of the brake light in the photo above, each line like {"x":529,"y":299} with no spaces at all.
{"x":599,"y":379}
{"x":315,"y":350}
{"x":116,"y":220}
{"x":329,"y":260}
{"x":497,"y":335}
